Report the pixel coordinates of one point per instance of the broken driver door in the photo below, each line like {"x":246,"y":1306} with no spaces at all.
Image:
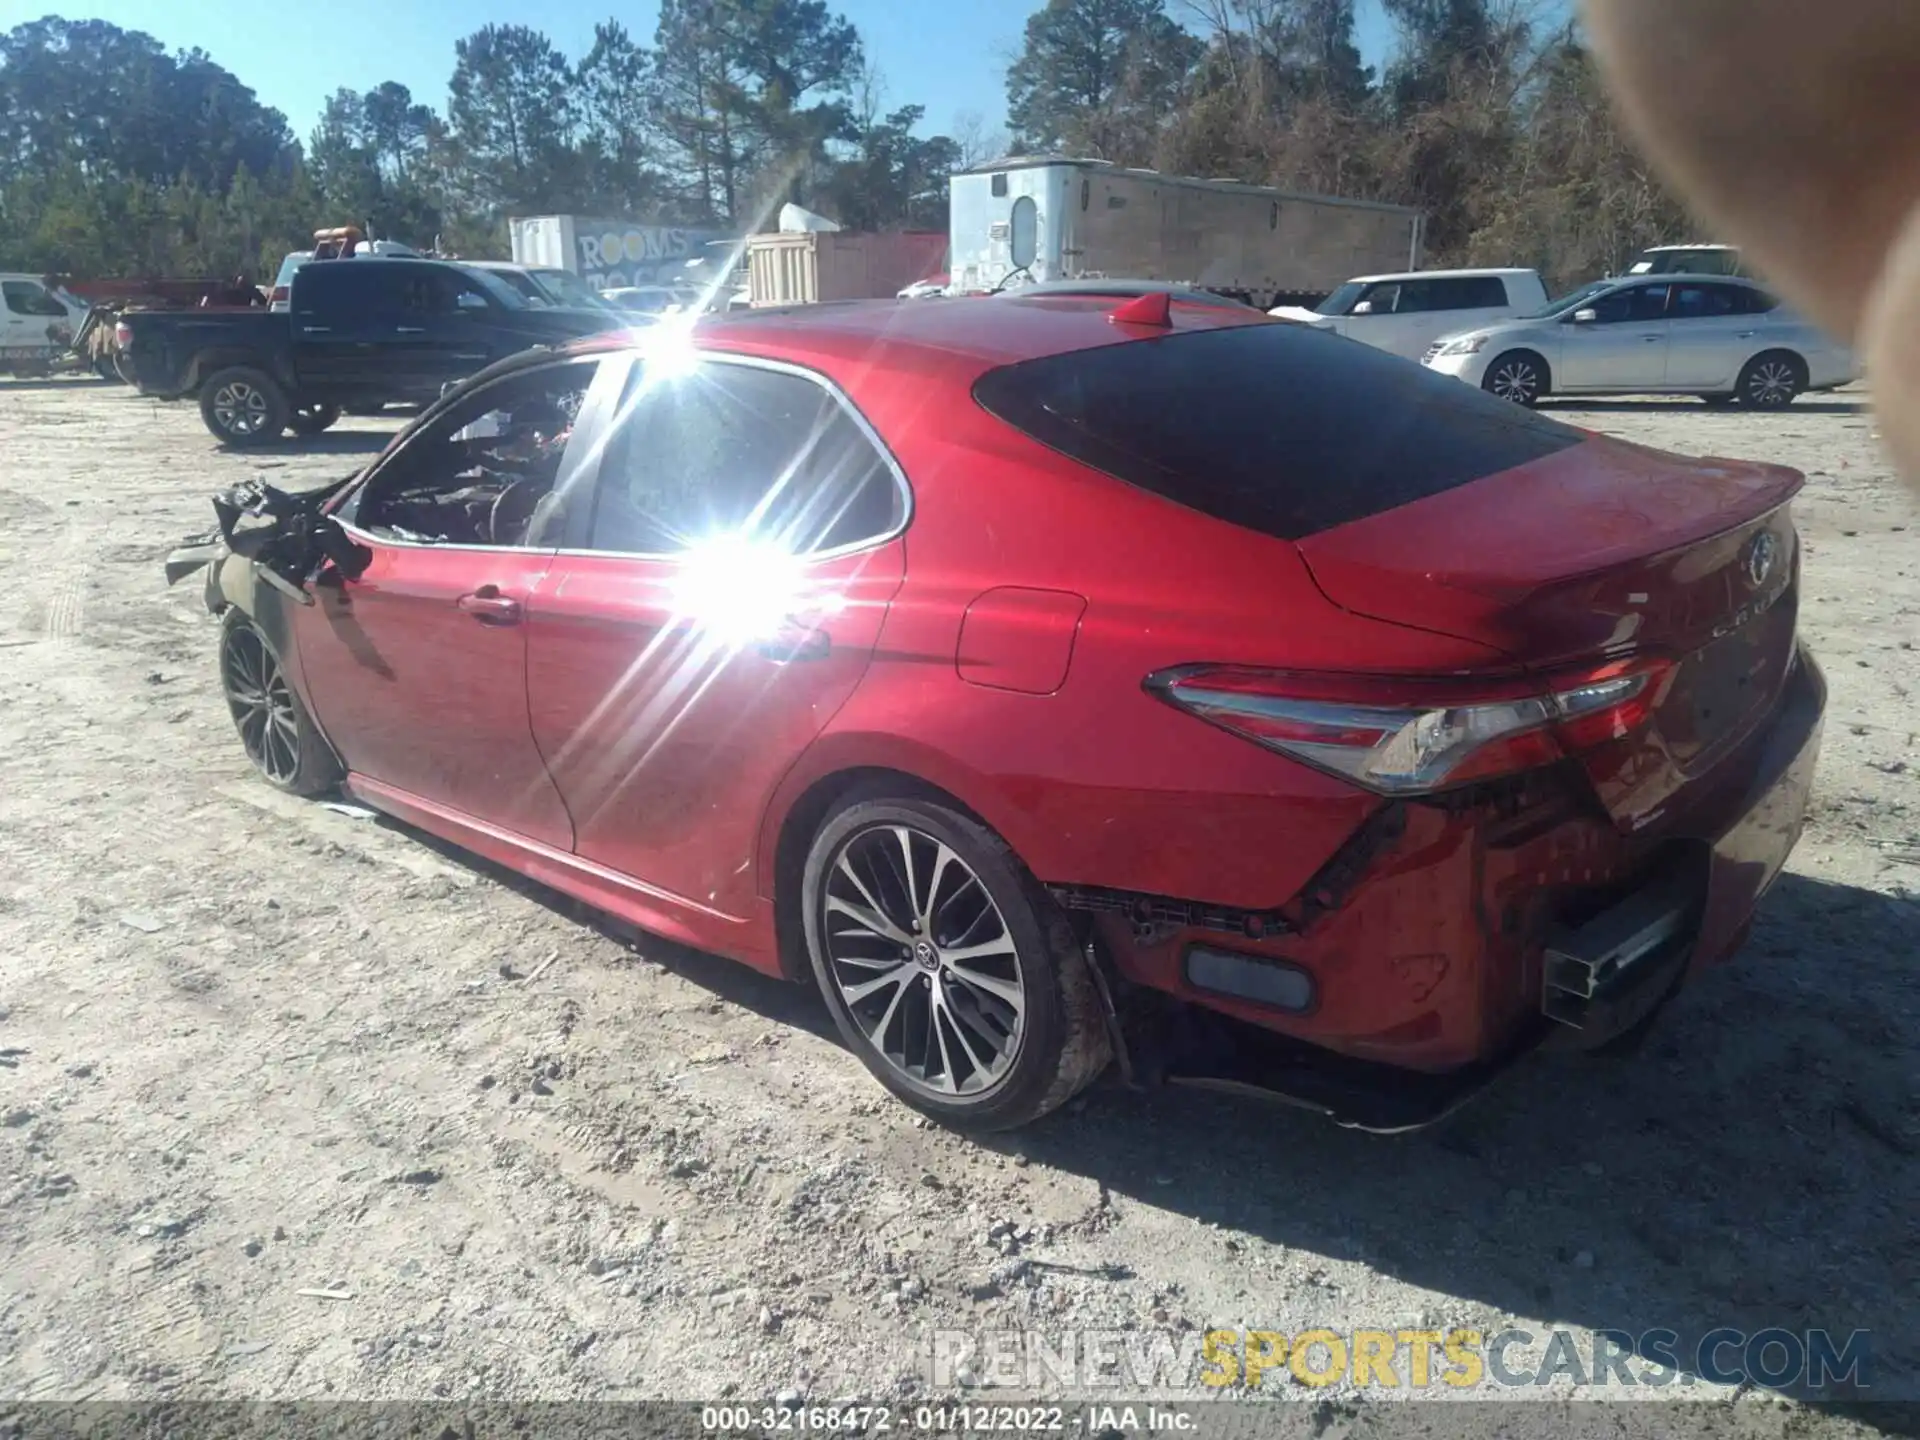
{"x":416,"y":665}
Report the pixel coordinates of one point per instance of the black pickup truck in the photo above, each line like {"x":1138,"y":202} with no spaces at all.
{"x":359,"y":333}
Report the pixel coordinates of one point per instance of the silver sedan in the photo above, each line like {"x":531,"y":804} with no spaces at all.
{"x":1723,"y":339}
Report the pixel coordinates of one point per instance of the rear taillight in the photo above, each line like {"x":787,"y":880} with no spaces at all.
{"x":280,"y":294}
{"x":1404,"y":735}
{"x":123,"y":336}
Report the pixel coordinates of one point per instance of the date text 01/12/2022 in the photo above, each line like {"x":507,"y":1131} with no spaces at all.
{"x":947,"y":1419}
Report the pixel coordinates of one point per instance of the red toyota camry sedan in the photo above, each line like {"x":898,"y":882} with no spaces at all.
{"x":1015,"y":667}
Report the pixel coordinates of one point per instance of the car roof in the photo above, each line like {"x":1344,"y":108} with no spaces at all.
{"x":957,"y":337}
{"x":398,"y":261}
{"x":1668,"y":277}
{"x":1112,"y":289}
{"x":1484,"y":274}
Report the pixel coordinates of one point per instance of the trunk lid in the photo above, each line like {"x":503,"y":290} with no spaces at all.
{"x":1603,"y":550}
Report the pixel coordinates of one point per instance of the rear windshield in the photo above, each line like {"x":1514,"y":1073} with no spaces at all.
{"x":1279,"y":428}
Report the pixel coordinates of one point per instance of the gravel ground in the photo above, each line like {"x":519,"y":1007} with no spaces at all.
{"x":296,"y":1104}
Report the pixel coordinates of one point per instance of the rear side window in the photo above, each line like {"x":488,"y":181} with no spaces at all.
{"x":739,"y":449}
{"x":1476,"y":292}
{"x":1278,"y":428}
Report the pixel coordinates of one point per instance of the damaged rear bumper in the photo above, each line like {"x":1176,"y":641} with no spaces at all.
{"x":1603,"y":980}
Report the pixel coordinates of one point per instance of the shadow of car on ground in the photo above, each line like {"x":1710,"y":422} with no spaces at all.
{"x":1752,"y":1168}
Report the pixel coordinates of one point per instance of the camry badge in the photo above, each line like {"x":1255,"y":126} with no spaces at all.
{"x":1760,"y":557}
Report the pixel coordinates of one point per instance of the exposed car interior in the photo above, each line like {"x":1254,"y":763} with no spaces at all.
{"x":479,"y":477}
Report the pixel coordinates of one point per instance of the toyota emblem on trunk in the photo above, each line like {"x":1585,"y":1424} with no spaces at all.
{"x":1760,"y":558}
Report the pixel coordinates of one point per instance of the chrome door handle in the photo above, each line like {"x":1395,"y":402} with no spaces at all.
{"x":1653,"y":339}
{"x":410,"y":329}
{"x":1746,"y":334}
{"x":316,"y":329}
{"x":490,"y":607}
{"x":793,"y":643}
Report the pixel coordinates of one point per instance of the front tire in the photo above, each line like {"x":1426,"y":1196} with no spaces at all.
{"x":1772,"y":381}
{"x":275,"y":729}
{"x":312,"y":419}
{"x":1517,"y":376}
{"x":243,"y":406}
{"x":949,"y":971}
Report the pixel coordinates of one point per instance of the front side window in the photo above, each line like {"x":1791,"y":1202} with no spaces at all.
{"x":448,"y":292}
{"x":524,"y":284}
{"x":1566,"y":304}
{"x":1635,"y":305}
{"x":485,"y":473}
{"x":1381,"y":299}
{"x":23,"y":297}
{"x":562,"y":287}
{"x":739,"y":451}
{"x":1341,"y":300}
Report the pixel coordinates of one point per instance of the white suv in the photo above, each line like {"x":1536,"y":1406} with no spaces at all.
{"x":1406,"y":313}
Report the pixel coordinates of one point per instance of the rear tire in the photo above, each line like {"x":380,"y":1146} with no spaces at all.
{"x":1519,"y":376}
{"x":275,"y":730}
{"x":243,"y":407}
{"x":1772,"y":381}
{"x":312,"y":419}
{"x":967,"y":996}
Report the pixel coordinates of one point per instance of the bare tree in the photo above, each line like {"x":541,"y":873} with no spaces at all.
{"x":977,"y":142}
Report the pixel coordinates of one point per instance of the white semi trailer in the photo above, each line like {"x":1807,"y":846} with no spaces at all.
{"x":1030,"y":219}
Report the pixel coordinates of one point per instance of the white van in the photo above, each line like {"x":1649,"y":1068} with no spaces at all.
{"x":1406,"y":313}
{"x":37,"y":324}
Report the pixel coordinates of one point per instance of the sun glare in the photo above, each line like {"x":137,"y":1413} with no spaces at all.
{"x":737,"y":588}
{"x":668,"y":350}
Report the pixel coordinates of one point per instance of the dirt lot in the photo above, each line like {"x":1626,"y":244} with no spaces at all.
{"x":286,"y":1110}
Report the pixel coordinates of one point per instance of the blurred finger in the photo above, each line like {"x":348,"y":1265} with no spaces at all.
{"x":1789,"y":125}
{"x":1791,"y":128}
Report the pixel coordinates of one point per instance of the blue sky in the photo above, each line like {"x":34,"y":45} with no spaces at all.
{"x":295,"y":55}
